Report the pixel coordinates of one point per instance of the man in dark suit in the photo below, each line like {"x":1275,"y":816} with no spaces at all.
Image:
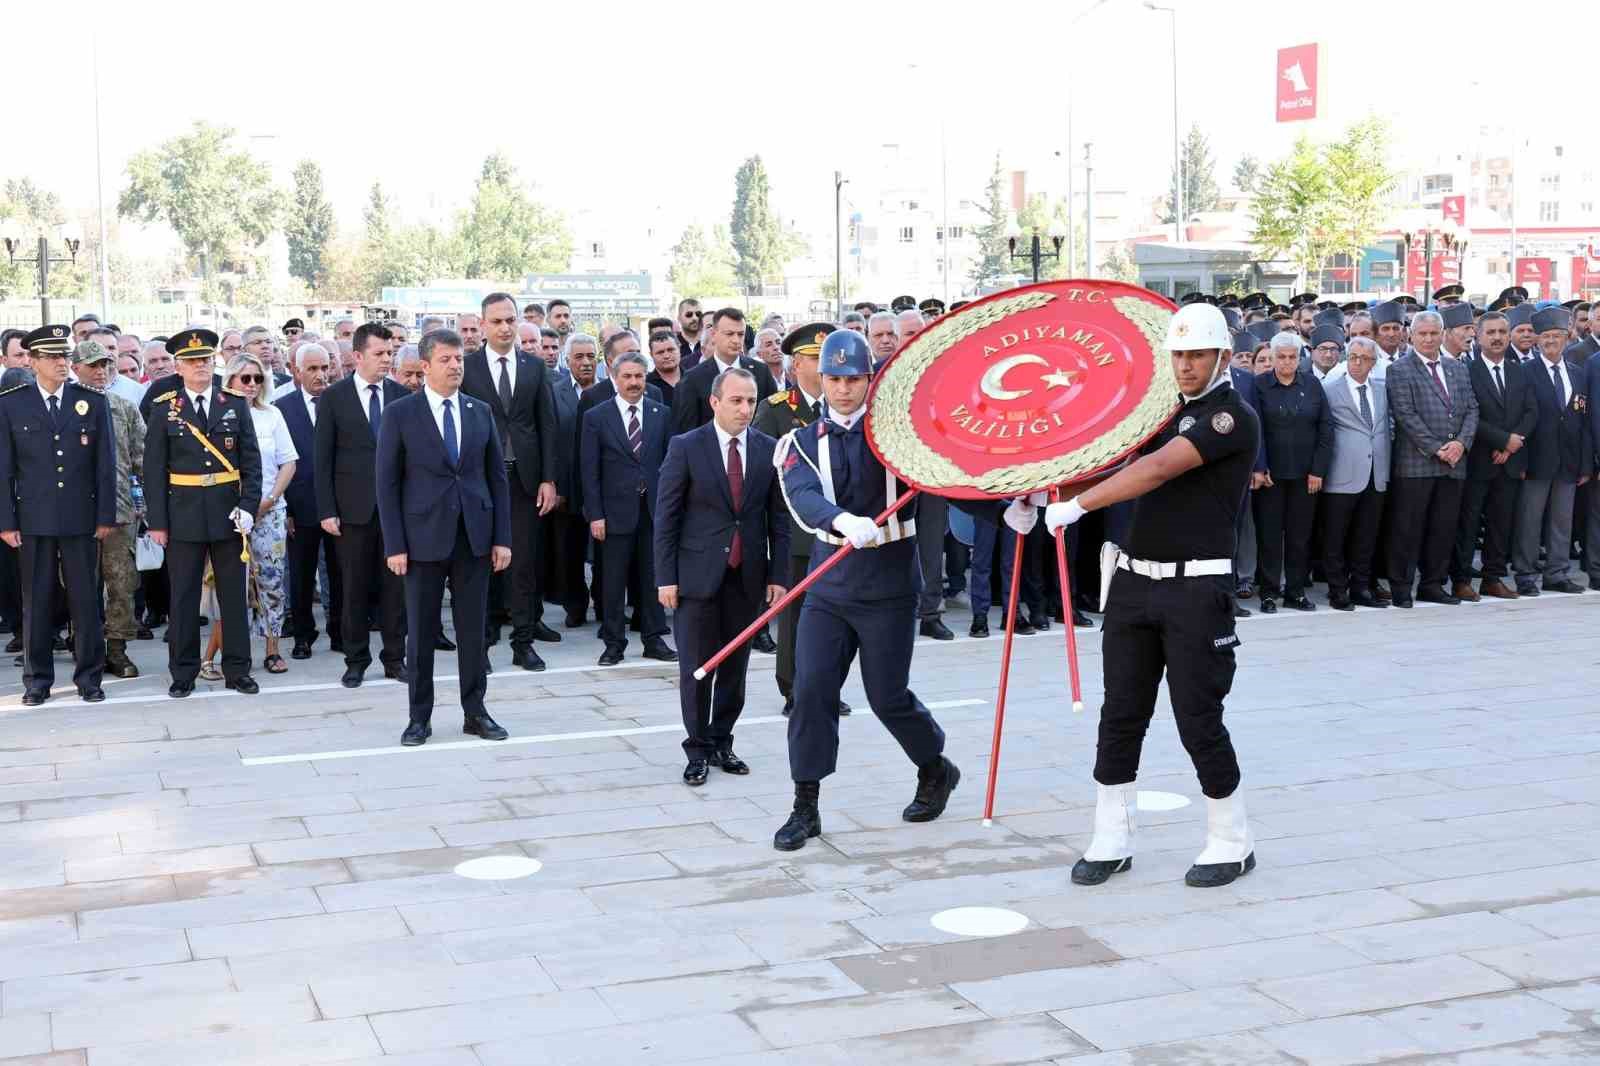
{"x":349,"y":418}
{"x":1560,"y":458}
{"x":1244,"y":556}
{"x":569,"y":532}
{"x":516,"y":387}
{"x":444,"y":507}
{"x":721,"y":551}
{"x":307,"y":539}
{"x":1435,"y":421}
{"x":623,"y":443}
{"x":1508,"y":411}
{"x":58,"y":500}
{"x":691,"y":401}
{"x":1591,"y":534}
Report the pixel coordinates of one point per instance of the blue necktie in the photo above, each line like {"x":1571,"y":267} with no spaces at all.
{"x":452,"y":450}
{"x":55,"y":413}
{"x":374,"y":409}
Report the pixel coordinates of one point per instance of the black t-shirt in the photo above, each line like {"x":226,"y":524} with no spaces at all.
{"x":1193,"y":515}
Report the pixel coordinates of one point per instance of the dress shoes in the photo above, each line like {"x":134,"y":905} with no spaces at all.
{"x":1081,"y":620}
{"x":660,"y":652}
{"x":485,"y":727}
{"x":1243,"y":591}
{"x":1299,"y":603}
{"x":979,"y":628}
{"x":574,"y":621}
{"x":935,"y":782}
{"x":844,"y":709}
{"x":1436,"y":594}
{"x":416,"y":735}
{"x":524,"y":657}
{"x":300,"y":651}
{"x":1240,"y":610}
{"x":1366,"y":599}
{"x":336,"y":645}
{"x":764,"y":643}
{"x":1402,"y":600}
{"x":1039,"y":621}
{"x":1568,"y":586}
{"x":17,"y":661}
{"x":1497,"y":589}
{"x":545,"y":633}
{"x":1268,"y":604}
{"x":1022,"y":627}
{"x":1381,"y":593}
{"x":352,"y":677}
{"x":611,"y":656}
{"x":143,"y":632}
{"x":92,"y":695}
{"x":180,"y":689}
{"x":1340,"y":601}
{"x":694,"y":775}
{"x":730,"y":763}
{"x":935,"y":629}
{"x":14,"y":645}
{"x":1098,"y":872}
{"x":1217,"y":874}
{"x":443,"y":643}
{"x":395,"y":672}
{"x":1527,"y":588}
{"x":1463,"y":590}
{"x":244,"y":684}
{"x":35,"y":696}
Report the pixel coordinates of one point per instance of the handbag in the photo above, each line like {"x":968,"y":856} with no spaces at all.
{"x":147,"y":554}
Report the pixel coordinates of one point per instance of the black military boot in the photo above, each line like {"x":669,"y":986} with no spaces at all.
{"x":935,"y":782}
{"x":117,"y":662}
{"x":804,"y":821}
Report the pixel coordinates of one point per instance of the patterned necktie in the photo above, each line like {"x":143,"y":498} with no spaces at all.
{"x":55,"y":412}
{"x":1438,"y":383}
{"x":505,"y":405}
{"x":736,"y":488}
{"x":452,"y":450}
{"x":374,"y":409}
{"x":1366,"y":407}
{"x":635,"y":432}
{"x":1561,"y":393}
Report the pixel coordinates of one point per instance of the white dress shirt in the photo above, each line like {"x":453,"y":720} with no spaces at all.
{"x":1442,"y":380}
{"x":1559,"y":367}
{"x":364,"y":395}
{"x":494,"y":358}
{"x":624,"y":405}
{"x":436,"y":406}
{"x":311,"y":406}
{"x":60,"y":394}
{"x":1355,"y":393}
{"x":744,"y":451}
{"x":847,"y":421}
{"x":196,"y":398}
{"x":1490,"y":365}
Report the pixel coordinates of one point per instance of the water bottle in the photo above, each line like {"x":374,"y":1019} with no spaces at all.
{"x":138,"y":496}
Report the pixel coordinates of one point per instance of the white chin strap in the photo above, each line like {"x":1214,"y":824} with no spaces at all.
{"x":1219,"y":376}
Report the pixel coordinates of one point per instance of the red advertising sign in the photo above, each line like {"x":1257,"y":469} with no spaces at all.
{"x":1296,"y":82}
{"x":1585,"y":275}
{"x":1536,"y":275}
{"x":1455,"y":209}
{"x":1446,"y":271}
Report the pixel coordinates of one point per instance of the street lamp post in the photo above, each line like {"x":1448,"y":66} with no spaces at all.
{"x":838,"y":243}
{"x":43,"y":259}
{"x":1088,"y":210}
{"x":1036,"y":255}
{"x":1177,"y":160}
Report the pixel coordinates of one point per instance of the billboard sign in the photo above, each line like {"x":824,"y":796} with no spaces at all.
{"x":1296,"y":82}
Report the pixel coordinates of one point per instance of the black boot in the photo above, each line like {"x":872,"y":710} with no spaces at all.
{"x":117,"y":662}
{"x":935,"y":782}
{"x":804,"y":821}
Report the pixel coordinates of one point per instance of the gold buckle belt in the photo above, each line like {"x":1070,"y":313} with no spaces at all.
{"x":202,"y":480}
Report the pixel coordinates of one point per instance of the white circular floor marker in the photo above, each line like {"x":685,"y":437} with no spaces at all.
{"x":1162,"y":801}
{"x":980,"y":921}
{"x":499,"y":867}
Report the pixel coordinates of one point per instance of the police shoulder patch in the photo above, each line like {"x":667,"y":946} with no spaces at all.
{"x":1222,"y":422}
{"x":1186,"y":423}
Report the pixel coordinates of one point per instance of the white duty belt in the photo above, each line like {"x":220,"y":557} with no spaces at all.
{"x":1163,"y":571}
{"x":892,"y":530}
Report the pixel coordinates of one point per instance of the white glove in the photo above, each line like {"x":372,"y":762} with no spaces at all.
{"x":242,"y":521}
{"x":857,"y":530}
{"x":1059,"y":516}
{"x":1021,"y":515}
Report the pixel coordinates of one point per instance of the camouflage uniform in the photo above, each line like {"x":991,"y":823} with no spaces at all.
{"x":116,"y":550}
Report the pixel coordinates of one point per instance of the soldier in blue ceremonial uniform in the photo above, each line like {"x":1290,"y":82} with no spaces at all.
{"x":202,"y":487}
{"x":57,"y":466}
{"x":835,"y":487}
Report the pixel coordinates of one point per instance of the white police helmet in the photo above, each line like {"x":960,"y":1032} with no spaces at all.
{"x":1198,"y":326}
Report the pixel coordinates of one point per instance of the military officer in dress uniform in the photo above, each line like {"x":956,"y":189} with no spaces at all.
{"x":1170,"y":604}
{"x":202,"y":491}
{"x":835,"y":487}
{"x":57,"y":467}
{"x":797,"y":406}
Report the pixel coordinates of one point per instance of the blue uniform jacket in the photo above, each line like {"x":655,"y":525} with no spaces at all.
{"x":880,"y":573}
{"x":56,"y":481}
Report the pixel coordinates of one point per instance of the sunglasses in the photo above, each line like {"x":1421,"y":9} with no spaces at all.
{"x":251,"y":379}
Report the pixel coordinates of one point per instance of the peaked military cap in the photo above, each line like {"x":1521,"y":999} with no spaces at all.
{"x":807,"y":339}
{"x":48,"y":340}
{"x":192,"y":344}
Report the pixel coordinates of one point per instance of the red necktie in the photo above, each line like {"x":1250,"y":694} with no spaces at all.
{"x":736,"y":488}
{"x":1438,"y":383}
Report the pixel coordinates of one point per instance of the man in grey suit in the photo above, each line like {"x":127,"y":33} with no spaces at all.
{"x":1352,"y":494}
{"x":1435,"y":421}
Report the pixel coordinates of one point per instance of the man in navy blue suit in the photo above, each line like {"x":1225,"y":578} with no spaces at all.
{"x":622,"y":443}
{"x":306,"y":536}
{"x":445,"y":507}
{"x":721,"y":549}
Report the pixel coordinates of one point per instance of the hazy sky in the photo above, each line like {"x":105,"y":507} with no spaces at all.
{"x":641,"y":112}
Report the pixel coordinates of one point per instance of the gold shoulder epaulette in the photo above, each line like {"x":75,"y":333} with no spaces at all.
{"x":165,"y":396}
{"x":89,"y":388}
{"x":14,"y":388}
{"x":234,"y":392}
{"x":778,"y":398}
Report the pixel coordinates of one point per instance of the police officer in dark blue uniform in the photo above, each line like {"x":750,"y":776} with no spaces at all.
{"x":57,"y":463}
{"x":835,"y":487}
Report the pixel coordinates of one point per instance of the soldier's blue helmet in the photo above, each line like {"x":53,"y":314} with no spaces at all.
{"x":845,"y":354}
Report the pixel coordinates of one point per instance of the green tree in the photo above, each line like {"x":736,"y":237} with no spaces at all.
{"x":702,"y":267}
{"x":1246,"y":172}
{"x":1048,"y":218}
{"x":34,"y":211}
{"x":1118,"y":265}
{"x":309,"y":227}
{"x":1360,"y":180}
{"x":504,"y":233}
{"x":376,"y":215}
{"x":1200,"y":191}
{"x":217,"y":198}
{"x":994,"y":258}
{"x":1292,"y":215}
{"x":762,"y":244}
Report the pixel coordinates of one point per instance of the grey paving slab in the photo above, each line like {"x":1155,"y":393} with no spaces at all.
{"x":1040,"y":990}
{"x":517,"y":1019}
{"x":267,"y":936}
{"x":431,"y":986}
{"x":71,"y":956}
{"x":180,"y":1017}
{"x":26,"y":1034}
{"x":281,"y":1045}
{"x":1260,"y":960}
{"x":981,"y":1043}
{"x":1344,"y":1041}
{"x":843,"y":1018}
{"x":191,"y":913}
{"x":1444,"y":935}
{"x":1482,"y":1021}
{"x":1386,"y":985}
{"x":1548,"y":962}
{"x":975,"y":960}
{"x":637,"y":1044}
{"x":30,"y":994}
{"x":752,"y":990}
{"x":1180,"y":1016}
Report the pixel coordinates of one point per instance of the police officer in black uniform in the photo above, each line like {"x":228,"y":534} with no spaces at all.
{"x":1170,"y":608}
{"x":835,"y":487}
{"x":57,"y":465}
{"x":792,"y":409}
{"x":202,"y":488}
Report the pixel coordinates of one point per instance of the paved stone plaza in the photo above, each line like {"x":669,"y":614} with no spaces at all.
{"x":1424,"y":785}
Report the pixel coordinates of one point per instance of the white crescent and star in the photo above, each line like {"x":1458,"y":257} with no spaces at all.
{"x":992,"y":383}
